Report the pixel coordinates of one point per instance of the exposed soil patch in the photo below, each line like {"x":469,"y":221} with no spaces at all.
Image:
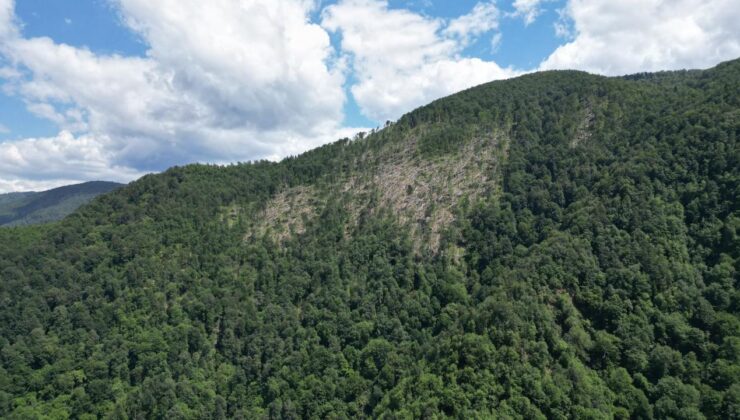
{"x":583,"y":132}
{"x":423,"y":193}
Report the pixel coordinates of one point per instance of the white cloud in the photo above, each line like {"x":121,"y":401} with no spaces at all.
{"x":47,"y":162}
{"x":223,"y":80}
{"x":402,"y":59}
{"x":483,"y":18}
{"x":619,"y":37}
{"x":7,"y":19}
{"x":23,"y":185}
{"x":496,"y":42}
{"x":527,"y":10}
{"x":563,"y":26}
{"x":252,"y":63}
{"x":7,"y":72}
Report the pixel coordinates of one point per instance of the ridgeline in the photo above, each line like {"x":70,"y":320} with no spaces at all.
{"x":28,"y":208}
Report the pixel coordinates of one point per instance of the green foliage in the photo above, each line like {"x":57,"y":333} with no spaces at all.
{"x":602,"y":282}
{"x":28,"y":208}
{"x":440,"y":139}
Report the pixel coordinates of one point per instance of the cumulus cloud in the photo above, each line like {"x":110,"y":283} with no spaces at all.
{"x":249,"y":63}
{"x":527,"y":10}
{"x":221,"y":81}
{"x":7,"y":17}
{"x":402,"y":59}
{"x":42,"y":163}
{"x":619,"y":37}
{"x":483,"y":18}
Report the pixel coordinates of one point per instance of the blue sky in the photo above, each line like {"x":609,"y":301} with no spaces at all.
{"x":113,"y":89}
{"x":92,"y":24}
{"x":96,"y":25}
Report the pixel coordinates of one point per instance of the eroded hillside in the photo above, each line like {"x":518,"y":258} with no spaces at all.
{"x":422,"y":192}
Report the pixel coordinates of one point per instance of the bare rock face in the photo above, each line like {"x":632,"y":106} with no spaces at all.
{"x":422,"y":192}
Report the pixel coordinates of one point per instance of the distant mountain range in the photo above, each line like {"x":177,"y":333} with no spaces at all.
{"x":28,"y":208}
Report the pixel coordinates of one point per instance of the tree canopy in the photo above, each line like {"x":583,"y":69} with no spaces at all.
{"x":595,"y":275}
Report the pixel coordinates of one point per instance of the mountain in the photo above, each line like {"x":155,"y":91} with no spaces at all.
{"x":27,"y":208}
{"x":558,"y":245}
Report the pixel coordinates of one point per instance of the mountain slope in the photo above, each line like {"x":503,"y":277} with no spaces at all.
{"x":559,"y":245}
{"x":28,"y":208}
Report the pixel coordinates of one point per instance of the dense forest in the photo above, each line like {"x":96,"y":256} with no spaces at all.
{"x":558,"y":245}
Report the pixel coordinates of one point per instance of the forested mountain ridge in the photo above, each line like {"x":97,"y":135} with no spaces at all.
{"x":27,"y":208}
{"x":559,"y":245}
